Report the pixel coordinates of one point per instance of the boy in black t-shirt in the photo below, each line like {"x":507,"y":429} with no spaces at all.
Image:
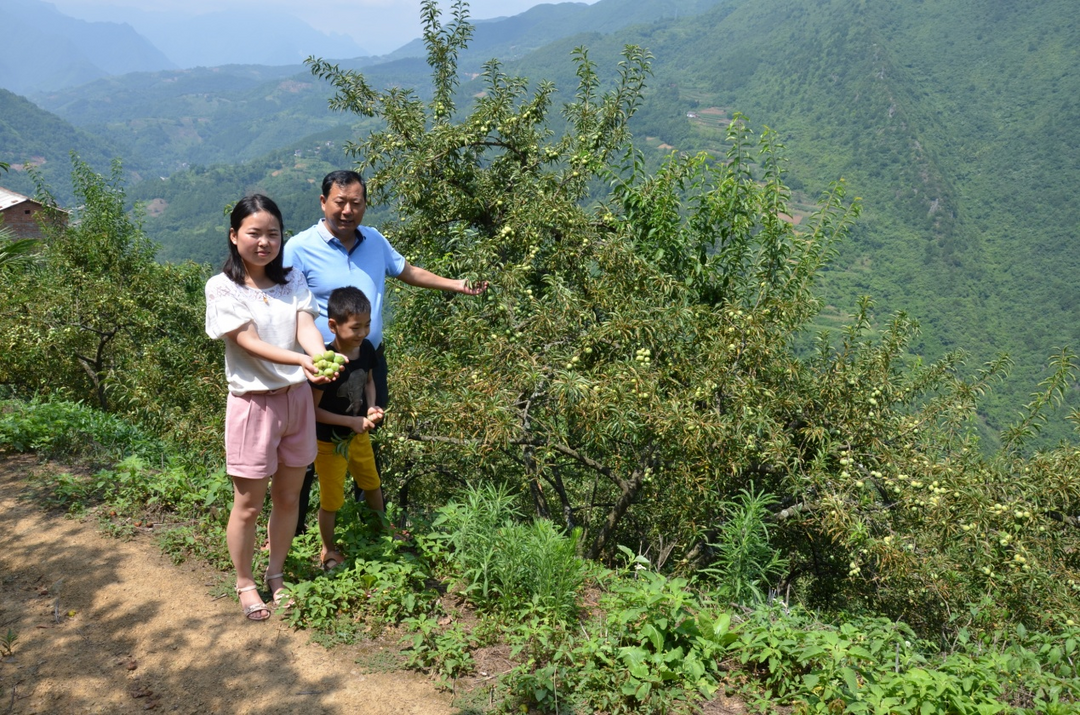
{"x":345,"y":411}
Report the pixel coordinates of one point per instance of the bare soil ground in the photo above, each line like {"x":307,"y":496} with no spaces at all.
{"x":106,"y":625}
{"x":111,"y":626}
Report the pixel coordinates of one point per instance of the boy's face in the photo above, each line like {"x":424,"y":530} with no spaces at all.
{"x":349,"y":333}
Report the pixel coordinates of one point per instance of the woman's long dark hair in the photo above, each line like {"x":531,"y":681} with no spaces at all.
{"x":234,"y":265}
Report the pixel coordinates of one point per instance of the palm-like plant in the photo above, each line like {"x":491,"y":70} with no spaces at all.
{"x":15,"y":252}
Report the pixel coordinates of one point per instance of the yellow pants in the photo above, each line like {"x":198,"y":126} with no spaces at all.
{"x":331,"y":468}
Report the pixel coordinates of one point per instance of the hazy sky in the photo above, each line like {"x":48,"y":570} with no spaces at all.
{"x":376,"y":25}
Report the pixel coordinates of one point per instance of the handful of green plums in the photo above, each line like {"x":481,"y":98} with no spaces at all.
{"x":329,"y":363}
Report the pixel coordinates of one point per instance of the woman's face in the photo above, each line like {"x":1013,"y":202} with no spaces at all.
{"x":258,"y":240}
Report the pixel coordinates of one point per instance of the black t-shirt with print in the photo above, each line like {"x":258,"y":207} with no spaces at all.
{"x":345,"y":395}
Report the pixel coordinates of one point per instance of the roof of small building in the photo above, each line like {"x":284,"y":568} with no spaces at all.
{"x":9,"y":198}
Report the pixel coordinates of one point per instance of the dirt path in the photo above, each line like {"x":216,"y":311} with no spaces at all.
{"x":111,"y":626}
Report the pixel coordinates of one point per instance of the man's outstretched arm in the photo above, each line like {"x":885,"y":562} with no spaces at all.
{"x":421,"y":278}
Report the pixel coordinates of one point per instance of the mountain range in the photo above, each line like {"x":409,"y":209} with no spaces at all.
{"x":514,"y":37}
{"x":211,"y":39}
{"x":32,"y":139}
{"x":44,"y":49}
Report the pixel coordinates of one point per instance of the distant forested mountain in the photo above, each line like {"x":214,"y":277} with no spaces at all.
{"x":43,"y":49}
{"x":185,"y":212}
{"x":30,"y":136}
{"x":172,"y":120}
{"x":956,"y":121}
{"x":513,"y":37}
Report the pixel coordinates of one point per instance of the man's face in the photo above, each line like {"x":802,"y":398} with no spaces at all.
{"x":344,"y":210}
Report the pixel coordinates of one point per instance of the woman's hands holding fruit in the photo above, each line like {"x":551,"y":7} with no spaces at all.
{"x":323,"y":367}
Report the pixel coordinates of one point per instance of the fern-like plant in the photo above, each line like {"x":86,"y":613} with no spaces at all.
{"x":745,"y":562}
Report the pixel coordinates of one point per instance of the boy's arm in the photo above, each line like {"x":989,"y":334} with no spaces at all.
{"x":357,"y":423}
{"x":374,"y":412}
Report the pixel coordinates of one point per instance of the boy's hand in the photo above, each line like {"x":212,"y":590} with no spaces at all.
{"x":361,"y":424}
{"x":375,"y":414}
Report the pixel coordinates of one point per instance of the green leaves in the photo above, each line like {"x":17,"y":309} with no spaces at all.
{"x":508,"y":565}
{"x":95,"y":317}
{"x":745,"y":563}
{"x":443,"y":44}
{"x":15,"y":253}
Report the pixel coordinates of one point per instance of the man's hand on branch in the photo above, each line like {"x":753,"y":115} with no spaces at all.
{"x":473,"y":288}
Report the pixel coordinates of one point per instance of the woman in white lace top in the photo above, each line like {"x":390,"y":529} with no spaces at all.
{"x":266,"y":316}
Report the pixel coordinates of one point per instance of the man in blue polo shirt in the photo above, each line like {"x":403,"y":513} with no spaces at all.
{"x":339,"y":251}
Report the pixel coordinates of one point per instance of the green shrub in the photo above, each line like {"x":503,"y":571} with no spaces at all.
{"x":381,"y":584}
{"x":874,"y":665}
{"x":745,"y":563}
{"x":69,"y":430}
{"x":444,"y":651}
{"x":507,"y":565}
{"x":95,"y":319}
{"x":538,"y":567}
{"x":652,"y":645}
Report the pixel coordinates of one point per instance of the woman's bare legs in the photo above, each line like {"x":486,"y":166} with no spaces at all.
{"x":285,"y":498}
{"x":248,"y":496}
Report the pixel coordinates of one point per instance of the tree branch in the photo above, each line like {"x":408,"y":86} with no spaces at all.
{"x":1064,"y":518}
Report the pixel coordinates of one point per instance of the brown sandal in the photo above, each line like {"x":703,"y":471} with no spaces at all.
{"x":332,"y":561}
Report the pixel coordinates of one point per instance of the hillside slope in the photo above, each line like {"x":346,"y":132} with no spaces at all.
{"x":953,"y":120}
{"x":185,"y":212}
{"x":513,"y":37}
{"x":30,"y":136}
{"x":173,"y":120}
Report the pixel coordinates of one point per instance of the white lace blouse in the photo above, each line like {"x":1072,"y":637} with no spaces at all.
{"x":273,"y":311}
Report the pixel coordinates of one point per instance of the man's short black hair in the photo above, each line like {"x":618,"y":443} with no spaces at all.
{"x":343,"y":178}
{"x":346,"y":302}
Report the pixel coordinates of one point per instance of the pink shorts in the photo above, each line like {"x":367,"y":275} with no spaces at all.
{"x":265,"y":429}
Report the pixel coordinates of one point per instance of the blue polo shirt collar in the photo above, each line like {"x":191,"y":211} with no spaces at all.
{"x":324,"y":234}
